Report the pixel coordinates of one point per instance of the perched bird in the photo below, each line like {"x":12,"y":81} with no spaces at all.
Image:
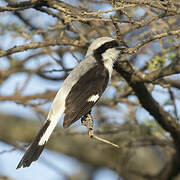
{"x":79,"y":92}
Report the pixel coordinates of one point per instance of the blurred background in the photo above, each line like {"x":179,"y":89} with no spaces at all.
{"x":41,"y":41}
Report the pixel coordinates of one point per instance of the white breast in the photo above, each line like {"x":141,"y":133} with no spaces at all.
{"x":109,"y":57}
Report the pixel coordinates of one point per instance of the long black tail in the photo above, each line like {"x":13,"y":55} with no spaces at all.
{"x":32,"y":154}
{"x":34,"y":150}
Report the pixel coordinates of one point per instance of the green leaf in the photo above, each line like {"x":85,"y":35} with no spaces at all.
{"x":156,"y":63}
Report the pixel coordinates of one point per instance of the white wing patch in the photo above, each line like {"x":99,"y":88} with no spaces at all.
{"x":93,"y":98}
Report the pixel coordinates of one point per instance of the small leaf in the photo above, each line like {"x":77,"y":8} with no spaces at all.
{"x":156,"y":63}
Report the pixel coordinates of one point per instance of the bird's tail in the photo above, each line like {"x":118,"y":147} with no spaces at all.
{"x":35,"y":149}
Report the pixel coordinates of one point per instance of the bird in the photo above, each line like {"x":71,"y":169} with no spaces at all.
{"x":79,"y":92}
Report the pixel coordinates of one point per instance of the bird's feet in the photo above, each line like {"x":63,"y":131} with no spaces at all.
{"x":87,"y":121}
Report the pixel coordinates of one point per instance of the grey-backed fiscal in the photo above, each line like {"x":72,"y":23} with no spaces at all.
{"x":79,"y":92}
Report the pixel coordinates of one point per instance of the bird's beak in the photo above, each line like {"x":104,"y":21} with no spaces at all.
{"x":122,"y":46}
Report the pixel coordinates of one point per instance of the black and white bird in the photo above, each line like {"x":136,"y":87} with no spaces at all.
{"x":79,"y":93}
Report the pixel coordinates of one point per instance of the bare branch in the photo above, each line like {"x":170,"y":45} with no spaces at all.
{"x":35,"y":45}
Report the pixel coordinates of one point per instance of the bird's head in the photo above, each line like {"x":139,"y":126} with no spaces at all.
{"x":105,"y":48}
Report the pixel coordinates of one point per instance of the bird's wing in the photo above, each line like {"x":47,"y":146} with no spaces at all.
{"x":85,"y":93}
{"x":57,"y":109}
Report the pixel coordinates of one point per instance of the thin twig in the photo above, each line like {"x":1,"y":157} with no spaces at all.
{"x":88,"y":122}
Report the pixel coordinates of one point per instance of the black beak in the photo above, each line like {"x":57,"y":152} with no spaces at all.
{"x":122,"y":46}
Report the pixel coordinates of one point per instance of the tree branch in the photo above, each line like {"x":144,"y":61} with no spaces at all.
{"x":173,"y":68}
{"x":35,"y":45}
{"x":162,"y":5}
{"x":166,"y":121}
{"x":79,"y":145}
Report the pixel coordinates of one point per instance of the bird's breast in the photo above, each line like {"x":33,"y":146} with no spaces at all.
{"x":108,"y":64}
